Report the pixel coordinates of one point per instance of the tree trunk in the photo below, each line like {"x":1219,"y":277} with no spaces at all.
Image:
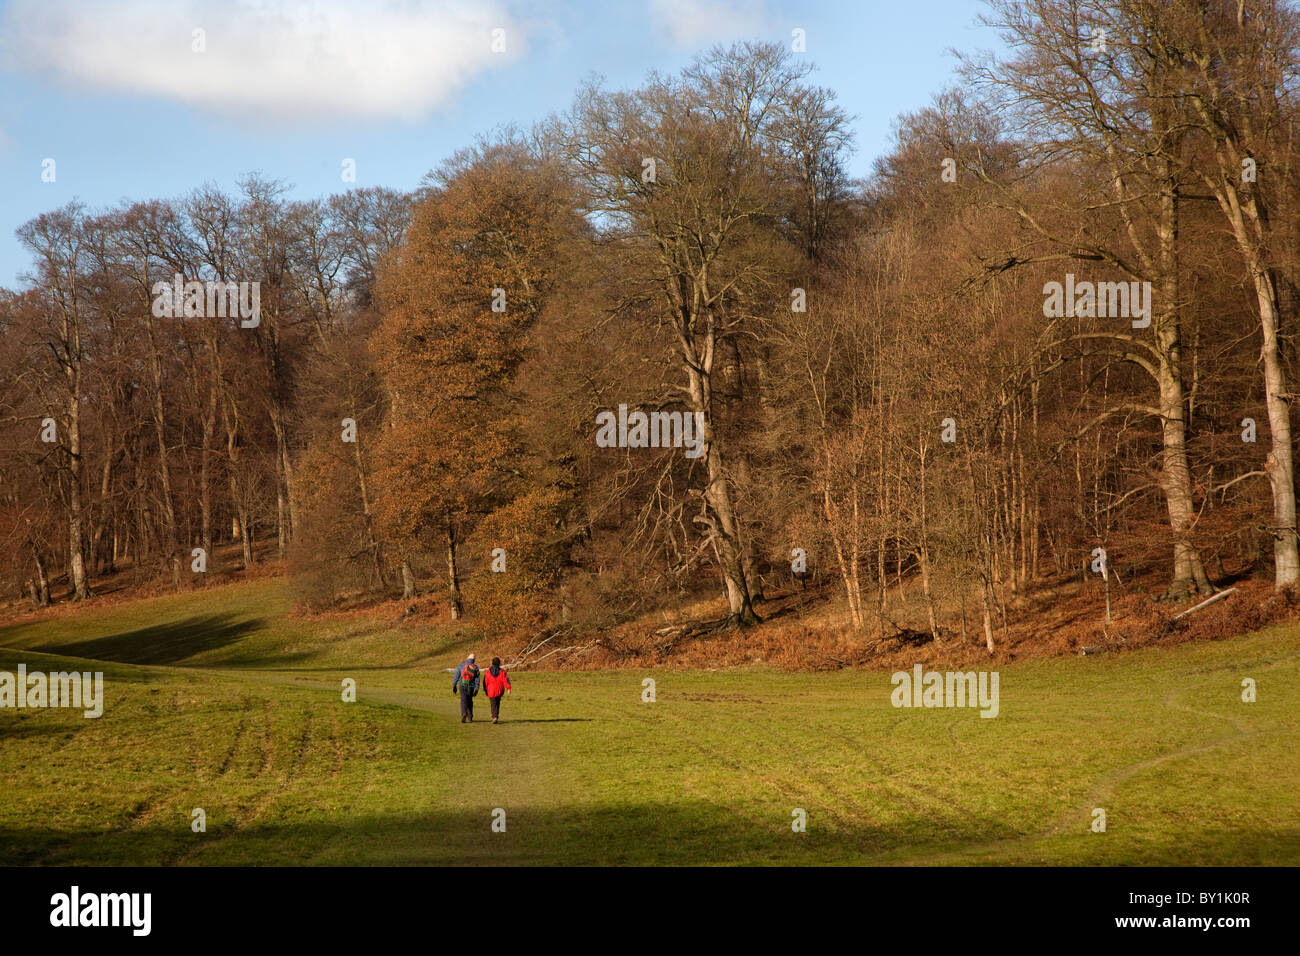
{"x":832,"y":521}
{"x":101,"y":524}
{"x":372,"y":540}
{"x":170,"y":545}
{"x":1189,"y":572}
{"x":453,"y":577}
{"x":986,"y":587}
{"x":76,"y":559}
{"x":1247,"y":212}
{"x":205,"y":474}
{"x":924,"y":554}
{"x":42,"y":593}
{"x":1279,"y":465}
{"x":717,"y":494}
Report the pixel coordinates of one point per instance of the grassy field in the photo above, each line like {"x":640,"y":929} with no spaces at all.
{"x":217,"y":699}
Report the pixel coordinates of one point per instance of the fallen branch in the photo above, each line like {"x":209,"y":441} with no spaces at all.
{"x":666,"y":638}
{"x":1208,"y":601}
{"x":561,"y":650}
{"x":522,"y":657}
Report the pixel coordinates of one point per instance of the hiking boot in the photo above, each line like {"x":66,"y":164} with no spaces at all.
{"x":494,"y":720}
{"x":462,"y":719}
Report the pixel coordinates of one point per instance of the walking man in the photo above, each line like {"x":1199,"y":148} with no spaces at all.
{"x":496,"y":682}
{"x":466,"y":682}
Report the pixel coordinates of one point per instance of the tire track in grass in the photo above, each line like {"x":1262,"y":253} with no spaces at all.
{"x":840,"y":802}
{"x":1104,"y":786}
{"x":538,"y":784}
{"x":860,"y":808}
{"x":781,"y":785}
{"x":240,"y":729}
{"x":682,"y":724}
{"x":142,"y":814}
{"x":271,"y":794}
{"x":145,"y":813}
{"x":521,"y":751}
{"x":900,"y":790}
{"x":191,"y":733}
{"x":369,"y":737}
{"x":785,"y":786}
{"x":336,"y":745}
{"x":268,"y":737}
{"x":846,"y":808}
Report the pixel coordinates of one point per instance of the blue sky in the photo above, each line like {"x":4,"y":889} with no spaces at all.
{"x":117,"y":94}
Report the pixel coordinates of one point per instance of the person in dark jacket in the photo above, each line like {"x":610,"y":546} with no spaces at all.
{"x":496,"y":682}
{"x":466,"y":682}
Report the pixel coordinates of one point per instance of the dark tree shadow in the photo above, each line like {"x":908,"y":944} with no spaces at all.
{"x":684,"y":832}
{"x":161,"y":644}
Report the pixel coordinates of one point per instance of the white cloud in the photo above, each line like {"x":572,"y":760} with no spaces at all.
{"x":695,"y":23}
{"x":271,"y":58}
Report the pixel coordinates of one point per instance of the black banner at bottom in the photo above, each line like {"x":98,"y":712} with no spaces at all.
{"x":1218,"y":906}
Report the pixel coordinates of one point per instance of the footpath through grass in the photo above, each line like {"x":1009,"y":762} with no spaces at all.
{"x":217,"y":700}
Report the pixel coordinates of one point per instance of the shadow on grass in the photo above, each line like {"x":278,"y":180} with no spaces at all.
{"x":686,"y":832}
{"x":12,"y":728}
{"x":167,"y":643}
{"x":680,"y":833}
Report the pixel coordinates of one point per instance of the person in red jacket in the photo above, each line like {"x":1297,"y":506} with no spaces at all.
{"x":495,"y":683}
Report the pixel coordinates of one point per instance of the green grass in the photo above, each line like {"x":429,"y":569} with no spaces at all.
{"x":217,"y":699}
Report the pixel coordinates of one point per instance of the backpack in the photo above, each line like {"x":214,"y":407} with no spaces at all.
{"x":467,"y":676}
